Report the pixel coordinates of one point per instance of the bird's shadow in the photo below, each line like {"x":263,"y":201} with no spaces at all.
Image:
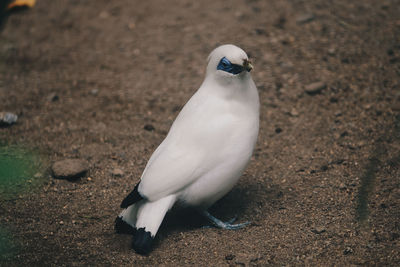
{"x":238,"y":203}
{"x":248,"y":201}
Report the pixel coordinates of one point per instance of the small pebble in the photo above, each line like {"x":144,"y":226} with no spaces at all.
{"x":294,"y":112}
{"x":305,"y":18}
{"x":149,"y":127}
{"x":315,"y":88}
{"x":70,"y":169}
{"x":318,"y":230}
{"x":7,"y":118}
{"x":53,"y":97}
{"x":229,"y":257}
{"x":117,"y":172}
{"x":94,"y":92}
{"x":331,"y":51}
{"x":348,"y":250}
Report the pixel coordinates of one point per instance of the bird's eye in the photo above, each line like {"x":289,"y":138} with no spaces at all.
{"x":224,"y":64}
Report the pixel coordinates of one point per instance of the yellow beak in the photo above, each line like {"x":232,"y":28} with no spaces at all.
{"x":247,"y":65}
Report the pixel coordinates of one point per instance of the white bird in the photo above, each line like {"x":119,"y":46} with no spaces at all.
{"x":205,"y":152}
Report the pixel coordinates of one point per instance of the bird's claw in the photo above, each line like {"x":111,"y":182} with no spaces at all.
{"x":232,"y":220}
{"x":224,"y":225}
{"x":229,"y":226}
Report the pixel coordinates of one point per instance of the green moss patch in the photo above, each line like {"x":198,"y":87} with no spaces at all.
{"x":21,"y":170}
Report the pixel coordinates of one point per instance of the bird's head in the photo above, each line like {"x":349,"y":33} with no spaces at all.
{"x":228,"y":62}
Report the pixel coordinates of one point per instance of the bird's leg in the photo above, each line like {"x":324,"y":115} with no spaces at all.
{"x":223,"y":225}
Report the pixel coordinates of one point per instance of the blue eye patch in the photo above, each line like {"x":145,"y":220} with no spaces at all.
{"x":226,"y":65}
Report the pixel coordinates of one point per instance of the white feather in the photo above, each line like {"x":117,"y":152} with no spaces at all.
{"x":151,"y":214}
{"x":207,"y":147}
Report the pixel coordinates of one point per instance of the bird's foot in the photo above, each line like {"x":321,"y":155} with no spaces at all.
{"x":224,"y":225}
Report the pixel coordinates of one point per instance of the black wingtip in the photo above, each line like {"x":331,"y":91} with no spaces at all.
{"x":142,"y":242}
{"x":132,"y":198}
{"x":122,"y":227}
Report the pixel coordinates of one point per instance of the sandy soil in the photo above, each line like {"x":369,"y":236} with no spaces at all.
{"x":87,"y":78}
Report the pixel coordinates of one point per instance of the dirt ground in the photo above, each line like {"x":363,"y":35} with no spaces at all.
{"x":89,"y":79}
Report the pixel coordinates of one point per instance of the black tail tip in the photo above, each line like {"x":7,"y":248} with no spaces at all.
{"x":142,"y":241}
{"x":122,"y":227}
{"x":131,"y":198}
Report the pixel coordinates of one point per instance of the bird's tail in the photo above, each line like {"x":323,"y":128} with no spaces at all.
{"x":143,"y":220}
{"x":125,"y":223}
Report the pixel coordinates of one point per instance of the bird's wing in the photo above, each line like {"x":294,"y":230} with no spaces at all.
{"x":194,"y":146}
{"x":172,"y":169}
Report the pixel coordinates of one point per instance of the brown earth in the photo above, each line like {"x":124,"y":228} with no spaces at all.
{"x":87,"y":77}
